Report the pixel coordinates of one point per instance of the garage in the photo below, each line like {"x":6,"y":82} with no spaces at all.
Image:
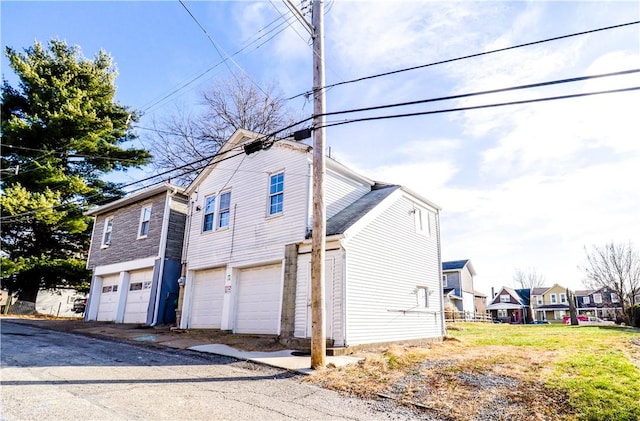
{"x":259,"y":300}
{"x":207,"y":295}
{"x":137,"y":304}
{"x":108,"y":304}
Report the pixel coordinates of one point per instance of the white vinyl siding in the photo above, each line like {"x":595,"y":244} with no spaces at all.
{"x":381,"y":304}
{"x":334,"y":296}
{"x":341,"y":191}
{"x":251,"y":237}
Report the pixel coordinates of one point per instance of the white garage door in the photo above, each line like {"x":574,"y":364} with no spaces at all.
{"x":259,"y":300}
{"x":206,"y":302}
{"x":138,"y":296}
{"x":108,"y":304}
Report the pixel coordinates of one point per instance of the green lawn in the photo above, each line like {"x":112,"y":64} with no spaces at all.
{"x":597,"y":366}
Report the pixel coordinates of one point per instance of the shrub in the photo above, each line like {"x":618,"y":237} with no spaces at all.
{"x":633,"y":313}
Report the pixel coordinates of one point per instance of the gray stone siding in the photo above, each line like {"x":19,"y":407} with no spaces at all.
{"x":125,"y":245}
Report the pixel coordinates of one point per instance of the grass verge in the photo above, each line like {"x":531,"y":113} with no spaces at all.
{"x":520,"y":372}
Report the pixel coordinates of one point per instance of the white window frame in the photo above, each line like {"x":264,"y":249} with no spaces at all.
{"x":597,"y":298}
{"x":586,"y":300}
{"x":444,"y":280}
{"x":107,"y":229}
{"x":615,"y":298}
{"x":422,"y":297}
{"x":503,"y":313}
{"x":212,"y":213}
{"x":563,"y":298}
{"x":539,"y":300}
{"x":278,"y":193}
{"x":505,"y":298}
{"x":141,"y":225}
{"x":553,"y":298}
{"x":422,"y":221}
{"x":223,"y":211}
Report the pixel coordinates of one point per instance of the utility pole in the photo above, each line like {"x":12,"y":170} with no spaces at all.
{"x":318,"y":239}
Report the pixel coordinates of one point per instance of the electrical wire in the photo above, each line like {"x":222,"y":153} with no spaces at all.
{"x":491,"y":91}
{"x":422,"y":66}
{"x":477,"y":107}
{"x":220,"y":51}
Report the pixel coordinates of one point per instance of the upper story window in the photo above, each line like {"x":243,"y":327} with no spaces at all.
{"x":539,"y":300}
{"x":586,"y":300}
{"x":554,"y":299}
{"x":145,"y":220}
{"x":276,"y":193}
{"x":444,"y":280}
{"x":597,"y":298}
{"x":209,"y":211}
{"x":422,"y":297}
{"x":614,"y":298}
{"x":563,"y":298}
{"x":106,"y":233}
{"x":225,"y":210}
{"x":505,"y":298}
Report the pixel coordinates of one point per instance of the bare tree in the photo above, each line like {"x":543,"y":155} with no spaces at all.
{"x":528,"y":278}
{"x":234,"y":103}
{"x":617,"y":266}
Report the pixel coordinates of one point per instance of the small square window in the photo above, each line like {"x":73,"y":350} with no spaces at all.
{"x":505,"y":298}
{"x":597,"y":298}
{"x":136,"y":286}
{"x":276,"y":193}
{"x":145,"y":220}
{"x":586,"y":300}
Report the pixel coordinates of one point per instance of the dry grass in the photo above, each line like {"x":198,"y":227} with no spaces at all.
{"x":456,"y":380}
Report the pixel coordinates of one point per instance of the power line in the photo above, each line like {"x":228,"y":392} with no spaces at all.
{"x":477,"y":107}
{"x":471,"y":56}
{"x":491,"y":91}
{"x":221,"y":51}
{"x":248,"y":42}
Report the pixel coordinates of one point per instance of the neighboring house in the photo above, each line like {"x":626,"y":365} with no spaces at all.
{"x":135,"y":253}
{"x":481,"y":302}
{"x":549,"y":303}
{"x":247,"y":250}
{"x":58,"y":301}
{"x":511,"y":306}
{"x":603,"y":303}
{"x":457,"y":284}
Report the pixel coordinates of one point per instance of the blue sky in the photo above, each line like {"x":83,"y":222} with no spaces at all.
{"x":520,"y":186}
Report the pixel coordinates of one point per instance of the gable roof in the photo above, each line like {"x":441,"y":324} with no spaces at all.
{"x":238,"y":139}
{"x":348,"y":216}
{"x":458,"y":265}
{"x":583,"y":292}
{"x":539,"y":291}
{"x":520,"y":295}
{"x":135,"y":197}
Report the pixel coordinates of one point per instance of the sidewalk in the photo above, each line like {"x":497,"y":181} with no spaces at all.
{"x":259,"y":349}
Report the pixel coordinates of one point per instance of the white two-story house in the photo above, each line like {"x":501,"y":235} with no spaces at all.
{"x":247,"y":250}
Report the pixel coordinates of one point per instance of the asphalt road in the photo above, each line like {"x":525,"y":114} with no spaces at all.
{"x":51,"y":375}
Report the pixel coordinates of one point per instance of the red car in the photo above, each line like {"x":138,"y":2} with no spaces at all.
{"x":567,"y":319}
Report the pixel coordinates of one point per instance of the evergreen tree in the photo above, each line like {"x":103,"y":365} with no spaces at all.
{"x":62,"y":131}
